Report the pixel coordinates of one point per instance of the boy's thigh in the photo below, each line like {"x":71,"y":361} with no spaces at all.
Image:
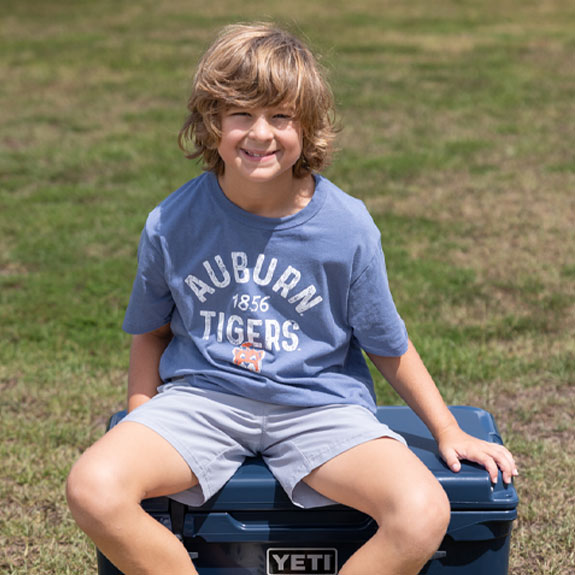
{"x":299,"y":440}
{"x":139,"y":461}
{"x":381,"y":476}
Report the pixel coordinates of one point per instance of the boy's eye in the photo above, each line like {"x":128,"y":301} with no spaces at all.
{"x":282,"y":117}
{"x":282,"y":112}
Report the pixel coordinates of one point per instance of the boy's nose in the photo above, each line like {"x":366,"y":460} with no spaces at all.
{"x":261,"y":128}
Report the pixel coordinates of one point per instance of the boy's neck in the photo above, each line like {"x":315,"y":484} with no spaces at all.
{"x":276,"y":199}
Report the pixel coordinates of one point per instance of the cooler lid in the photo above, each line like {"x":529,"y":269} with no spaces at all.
{"x":253,"y":486}
{"x":471,"y":487}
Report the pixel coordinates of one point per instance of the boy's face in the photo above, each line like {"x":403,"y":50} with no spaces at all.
{"x":259,"y":144}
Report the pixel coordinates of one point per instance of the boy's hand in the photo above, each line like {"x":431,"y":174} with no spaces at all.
{"x":455,"y":445}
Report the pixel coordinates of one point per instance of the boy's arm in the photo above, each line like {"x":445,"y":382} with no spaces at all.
{"x":145,"y":354}
{"x":410,"y":378}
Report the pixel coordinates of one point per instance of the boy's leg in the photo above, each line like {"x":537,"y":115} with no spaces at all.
{"x":384,"y":479}
{"x":105,"y":488}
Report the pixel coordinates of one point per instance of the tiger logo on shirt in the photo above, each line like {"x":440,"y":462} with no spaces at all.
{"x":249,"y":358}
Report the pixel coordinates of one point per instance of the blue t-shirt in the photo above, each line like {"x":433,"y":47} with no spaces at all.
{"x":274,"y":309}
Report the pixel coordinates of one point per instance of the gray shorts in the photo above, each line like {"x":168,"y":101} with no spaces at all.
{"x":214,"y":432}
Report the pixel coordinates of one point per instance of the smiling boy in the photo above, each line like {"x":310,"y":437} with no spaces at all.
{"x":260,"y":285}
{"x":259,"y":148}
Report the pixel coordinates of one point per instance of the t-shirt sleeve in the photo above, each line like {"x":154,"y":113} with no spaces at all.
{"x":376,"y":324}
{"x":151,"y":304}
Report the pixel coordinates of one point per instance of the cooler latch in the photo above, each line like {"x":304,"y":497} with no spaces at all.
{"x":177,"y":518}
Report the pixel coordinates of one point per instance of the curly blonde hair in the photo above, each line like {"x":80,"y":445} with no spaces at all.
{"x":259,"y":65}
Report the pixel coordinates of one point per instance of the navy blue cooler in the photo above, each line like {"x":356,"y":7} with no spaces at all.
{"x":251,"y":528}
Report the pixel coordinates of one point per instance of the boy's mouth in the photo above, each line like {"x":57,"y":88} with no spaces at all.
{"x":258,"y":155}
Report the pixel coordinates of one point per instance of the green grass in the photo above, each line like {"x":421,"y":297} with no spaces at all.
{"x":458,"y":136}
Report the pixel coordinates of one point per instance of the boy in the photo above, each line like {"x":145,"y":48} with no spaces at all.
{"x":259,"y":284}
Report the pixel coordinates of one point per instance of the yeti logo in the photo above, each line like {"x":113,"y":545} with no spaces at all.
{"x":301,"y":561}
{"x":249,"y":358}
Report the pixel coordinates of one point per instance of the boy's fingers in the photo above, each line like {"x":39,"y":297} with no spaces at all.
{"x":496,"y":458}
{"x":506,"y":463}
{"x":492,"y":468}
{"x":484,"y":459}
{"x":492,"y":457}
{"x":452,"y":460}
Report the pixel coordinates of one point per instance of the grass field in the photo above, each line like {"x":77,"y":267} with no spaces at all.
{"x":458,"y":133}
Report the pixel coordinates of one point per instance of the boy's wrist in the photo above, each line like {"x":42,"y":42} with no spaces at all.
{"x":440,"y":433}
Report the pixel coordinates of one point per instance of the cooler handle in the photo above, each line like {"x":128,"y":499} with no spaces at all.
{"x":223,"y":527}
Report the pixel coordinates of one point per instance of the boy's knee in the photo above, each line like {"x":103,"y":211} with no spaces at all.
{"x":433,"y":515}
{"x":420,"y":523}
{"x":93,"y":492}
